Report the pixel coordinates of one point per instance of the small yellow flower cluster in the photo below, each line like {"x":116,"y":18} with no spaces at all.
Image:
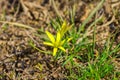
{"x":58,"y":42}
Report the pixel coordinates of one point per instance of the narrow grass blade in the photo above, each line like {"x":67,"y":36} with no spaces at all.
{"x":81,"y":28}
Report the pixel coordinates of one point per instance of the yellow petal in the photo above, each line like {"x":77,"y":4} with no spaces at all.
{"x":62,"y":49}
{"x":55,"y":51}
{"x":51,"y":37}
{"x":69,"y":39}
{"x":48,"y":43}
{"x":58,"y":38}
{"x":63,"y":29}
{"x":64,"y":25}
{"x":62,"y":42}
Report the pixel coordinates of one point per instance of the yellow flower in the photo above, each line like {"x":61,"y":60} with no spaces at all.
{"x":55,"y":43}
{"x":64,"y":28}
{"x":58,"y":42}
